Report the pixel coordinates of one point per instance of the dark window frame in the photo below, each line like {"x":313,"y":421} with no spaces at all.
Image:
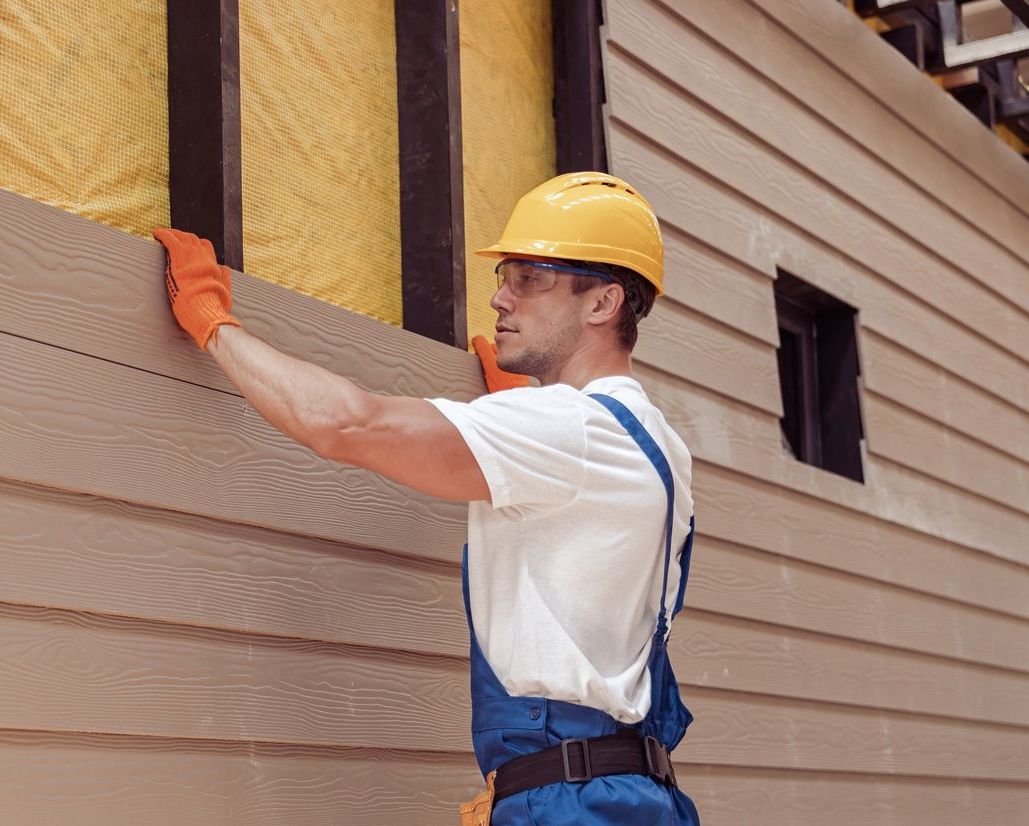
{"x":819,"y":366}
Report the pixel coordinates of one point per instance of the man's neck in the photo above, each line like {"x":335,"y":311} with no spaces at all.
{"x":578,"y":375}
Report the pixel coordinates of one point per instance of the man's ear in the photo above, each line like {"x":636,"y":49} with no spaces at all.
{"x":607,"y":304}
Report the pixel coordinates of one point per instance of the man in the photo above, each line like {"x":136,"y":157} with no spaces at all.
{"x":580,"y":514}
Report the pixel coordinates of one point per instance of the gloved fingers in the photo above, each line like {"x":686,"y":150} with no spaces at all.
{"x":486,"y":350}
{"x":185,"y":248}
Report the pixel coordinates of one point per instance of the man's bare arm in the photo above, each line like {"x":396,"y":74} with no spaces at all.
{"x":405,"y":439}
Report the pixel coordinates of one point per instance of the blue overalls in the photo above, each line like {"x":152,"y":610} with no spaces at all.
{"x":504,"y":727}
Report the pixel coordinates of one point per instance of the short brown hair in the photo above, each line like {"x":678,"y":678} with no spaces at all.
{"x":639,"y":297}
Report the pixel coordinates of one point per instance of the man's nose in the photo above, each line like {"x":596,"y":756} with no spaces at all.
{"x":502,"y":298}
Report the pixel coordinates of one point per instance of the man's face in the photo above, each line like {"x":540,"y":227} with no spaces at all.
{"x":536,"y":334}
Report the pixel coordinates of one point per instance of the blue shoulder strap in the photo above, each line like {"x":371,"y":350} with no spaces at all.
{"x":646,"y":442}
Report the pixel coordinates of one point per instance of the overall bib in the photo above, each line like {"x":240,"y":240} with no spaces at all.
{"x":504,"y":727}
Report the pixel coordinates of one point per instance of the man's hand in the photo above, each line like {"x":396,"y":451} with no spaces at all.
{"x":496,"y":379}
{"x":200,"y":291}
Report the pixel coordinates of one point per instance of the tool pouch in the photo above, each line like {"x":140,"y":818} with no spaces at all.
{"x":477,"y":811}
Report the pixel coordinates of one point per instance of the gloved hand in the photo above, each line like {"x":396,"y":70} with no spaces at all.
{"x":496,"y":379}
{"x":200,"y":290}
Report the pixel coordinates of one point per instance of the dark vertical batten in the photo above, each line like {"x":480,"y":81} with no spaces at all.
{"x":205,"y":171}
{"x":431,"y":172}
{"x":578,"y":86}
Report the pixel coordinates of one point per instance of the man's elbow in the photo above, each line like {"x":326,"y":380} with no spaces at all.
{"x":335,"y":433}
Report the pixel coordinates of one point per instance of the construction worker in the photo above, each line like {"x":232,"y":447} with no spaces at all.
{"x":580,"y":519}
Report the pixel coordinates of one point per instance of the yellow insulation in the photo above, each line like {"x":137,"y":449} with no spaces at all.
{"x":84,"y":107}
{"x":507,"y":85}
{"x":321,"y":191}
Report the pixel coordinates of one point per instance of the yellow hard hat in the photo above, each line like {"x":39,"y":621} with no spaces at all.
{"x":587,"y":216}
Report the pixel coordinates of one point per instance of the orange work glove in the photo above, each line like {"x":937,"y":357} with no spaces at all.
{"x":496,"y":379}
{"x":200,"y":290}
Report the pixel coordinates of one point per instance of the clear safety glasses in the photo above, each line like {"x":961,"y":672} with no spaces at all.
{"x":527,"y":278}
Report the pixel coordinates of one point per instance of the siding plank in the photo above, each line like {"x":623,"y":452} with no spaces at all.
{"x":70,"y":672}
{"x":754,"y":169}
{"x":919,"y":444}
{"x":739,"y":441}
{"x":83,"y":424}
{"x":92,"y":289}
{"x":711,"y":283}
{"x":741,"y":582}
{"x":63,"y":671}
{"x":763,"y":515}
{"x":207,"y":782}
{"x":843,"y":41}
{"x":688,"y":198}
{"x":86,"y":554}
{"x":748,"y":730}
{"x":58,"y":430}
{"x":900,"y":375}
{"x":718,"y":651}
{"x":684,"y":343}
{"x":763,"y":77}
{"x":168,"y":782}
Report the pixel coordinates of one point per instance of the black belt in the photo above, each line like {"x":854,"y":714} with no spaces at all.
{"x":579,"y":761}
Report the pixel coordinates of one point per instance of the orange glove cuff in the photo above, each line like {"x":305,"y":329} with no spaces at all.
{"x":199,"y":289}
{"x":496,"y":379}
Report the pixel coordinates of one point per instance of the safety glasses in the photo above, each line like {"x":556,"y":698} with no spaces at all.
{"x":526,"y":278}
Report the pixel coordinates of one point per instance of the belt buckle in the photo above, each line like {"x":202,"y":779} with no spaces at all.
{"x":569,"y":777}
{"x":659,"y":761}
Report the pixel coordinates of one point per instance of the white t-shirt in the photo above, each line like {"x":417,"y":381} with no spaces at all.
{"x":565,"y":566}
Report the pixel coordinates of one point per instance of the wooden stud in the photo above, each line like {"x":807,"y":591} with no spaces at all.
{"x":431,"y":171}
{"x":205,"y":170}
{"x":578,"y":86}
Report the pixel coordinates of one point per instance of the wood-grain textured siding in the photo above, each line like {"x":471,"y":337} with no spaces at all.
{"x":202,"y":622}
{"x":858,"y":623}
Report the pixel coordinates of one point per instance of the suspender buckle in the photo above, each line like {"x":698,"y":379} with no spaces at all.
{"x":588,"y":772}
{"x":659,"y":761}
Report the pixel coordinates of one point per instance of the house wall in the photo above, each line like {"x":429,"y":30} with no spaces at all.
{"x":203,"y":622}
{"x":853,"y":653}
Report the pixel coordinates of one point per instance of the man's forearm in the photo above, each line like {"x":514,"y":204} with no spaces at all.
{"x":299,"y":398}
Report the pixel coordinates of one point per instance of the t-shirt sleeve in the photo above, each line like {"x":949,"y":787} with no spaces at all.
{"x":530,"y":443}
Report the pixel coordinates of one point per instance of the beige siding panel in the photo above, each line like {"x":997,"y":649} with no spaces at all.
{"x":718,"y":651}
{"x":88,"y":425}
{"x":71,"y":672}
{"x":99,"y":780}
{"x":167,"y":782}
{"x":914,"y":441}
{"x":142,"y":416}
{"x":843,"y":41}
{"x":909,"y":497}
{"x":741,"y":445}
{"x":760,"y":797}
{"x":87,"y":554}
{"x":65,"y":671}
{"x":705,"y":140}
{"x":684,"y":343}
{"x":717,"y":286}
{"x":755,"y":585}
{"x":54,"y":265}
{"x":763,"y":515}
{"x":691,"y":200}
{"x":908,"y":379}
{"x":763,"y":78}
{"x":750,"y":730}
{"x":56,"y":448}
